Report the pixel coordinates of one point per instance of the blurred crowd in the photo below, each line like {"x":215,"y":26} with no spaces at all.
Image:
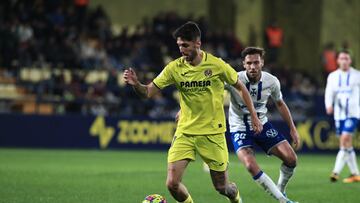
{"x":70,"y":35}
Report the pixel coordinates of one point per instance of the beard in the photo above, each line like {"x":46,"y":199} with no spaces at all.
{"x":191,"y":56}
{"x":253,"y":75}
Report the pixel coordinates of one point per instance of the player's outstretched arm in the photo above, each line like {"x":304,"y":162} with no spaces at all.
{"x":286,"y":115}
{"x":244,"y":93}
{"x":144,"y":91}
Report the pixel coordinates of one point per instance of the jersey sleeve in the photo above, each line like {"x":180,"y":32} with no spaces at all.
{"x":229,"y":75}
{"x":276,"y":94}
{"x":329,"y":93}
{"x":165,"y":78}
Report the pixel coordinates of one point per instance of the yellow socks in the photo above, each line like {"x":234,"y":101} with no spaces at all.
{"x":188,"y":200}
{"x":237,"y":198}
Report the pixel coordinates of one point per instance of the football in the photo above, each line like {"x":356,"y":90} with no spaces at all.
{"x":154,"y":198}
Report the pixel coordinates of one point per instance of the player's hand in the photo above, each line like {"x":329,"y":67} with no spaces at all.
{"x":295,"y":138}
{"x":330,"y":110}
{"x":130,"y":77}
{"x":256,"y":125}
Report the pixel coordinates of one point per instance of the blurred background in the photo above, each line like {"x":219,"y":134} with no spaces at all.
{"x":61,"y":64}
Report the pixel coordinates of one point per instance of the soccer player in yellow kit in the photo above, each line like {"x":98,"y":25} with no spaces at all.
{"x":199,"y":77}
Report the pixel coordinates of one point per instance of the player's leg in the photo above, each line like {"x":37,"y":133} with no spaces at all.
{"x":181,"y":152}
{"x":173,"y":182}
{"x":213,"y":150}
{"x":247,"y":157}
{"x":341,"y":159}
{"x":273,"y":142}
{"x":346,"y":143}
{"x":222,"y":184}
{"x":243,"y":143}
{"x":346,"y":154}
{"x":341,"y":156}
{"x":285,"y":152}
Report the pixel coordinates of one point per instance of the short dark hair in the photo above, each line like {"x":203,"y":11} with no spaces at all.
{"x":189,"y":31}
{"x":345,"y":51}
{"x":251,"y":51}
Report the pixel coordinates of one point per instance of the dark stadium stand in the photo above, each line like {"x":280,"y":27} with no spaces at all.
{"x":60,"y":58}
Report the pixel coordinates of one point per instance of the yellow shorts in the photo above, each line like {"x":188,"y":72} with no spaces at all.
{"x":212,"y":149}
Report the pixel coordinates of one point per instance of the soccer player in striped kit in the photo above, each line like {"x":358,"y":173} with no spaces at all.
{"x":261,"y":86}
{"x":342,"y":98}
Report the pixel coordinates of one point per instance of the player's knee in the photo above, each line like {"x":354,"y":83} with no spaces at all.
{"x":291,"y":161}
{"x":172,"y":184}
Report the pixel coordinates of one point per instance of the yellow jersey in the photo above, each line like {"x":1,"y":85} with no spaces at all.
{"x":201,"y":91}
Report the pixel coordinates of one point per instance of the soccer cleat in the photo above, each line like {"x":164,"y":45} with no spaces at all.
{"x":352,"y":179}
{"x":334,"y":177}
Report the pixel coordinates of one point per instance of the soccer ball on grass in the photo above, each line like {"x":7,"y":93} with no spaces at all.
{"x":154,"y":198}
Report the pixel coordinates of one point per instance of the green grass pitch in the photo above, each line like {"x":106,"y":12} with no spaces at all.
{"x":73,"y":176}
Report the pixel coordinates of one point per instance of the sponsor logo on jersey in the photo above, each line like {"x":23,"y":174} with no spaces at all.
{"x":271,"y":133}
{"x":204,"y":83}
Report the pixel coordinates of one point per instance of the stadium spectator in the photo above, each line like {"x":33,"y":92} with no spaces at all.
{"x":329,"y":59}
{"x":29,"y":28}
{"x":274,"y":37}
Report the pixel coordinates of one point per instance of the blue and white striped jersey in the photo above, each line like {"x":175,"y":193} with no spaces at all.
{"x":267,"y":86}
{"x":343,"y":93}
